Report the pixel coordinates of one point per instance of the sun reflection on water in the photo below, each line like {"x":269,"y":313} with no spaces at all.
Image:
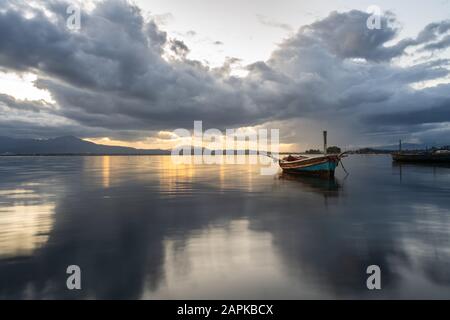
{"x":24,"y":227}
{"x":204,"y":260}
{"x":106,"y":171}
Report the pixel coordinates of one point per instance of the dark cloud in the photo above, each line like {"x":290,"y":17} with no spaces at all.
{"x":347,"y":36}
{"x":439,"y":45}
{"x":191,"y":33}
{"x":226,"y":68}
{"x":113,"y":77}
{"x":272,"y":23}
{"x":179,"y":47}
{"x":23,"y":105}
{"x":429,"y":115}
{"x":112,"y":70}
{"x":433,"y":30}
{"x":424,"y":107}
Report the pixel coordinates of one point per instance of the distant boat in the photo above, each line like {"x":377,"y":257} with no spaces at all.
{"x":433,"y":156}
{"x":324,"y":165}
{"x":438,"y":156}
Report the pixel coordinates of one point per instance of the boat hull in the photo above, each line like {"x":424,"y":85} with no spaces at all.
{"x":425,"y":157}
{"x":323,"y":166}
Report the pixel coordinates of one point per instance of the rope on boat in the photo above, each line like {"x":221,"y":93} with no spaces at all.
{"x":342,"y":164}
{"x":270,"y":156}
{"x":343,"y":155}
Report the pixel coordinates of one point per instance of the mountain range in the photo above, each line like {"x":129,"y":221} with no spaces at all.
{"x":67,"y":145}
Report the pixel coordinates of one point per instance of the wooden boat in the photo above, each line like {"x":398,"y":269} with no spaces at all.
{"x":439,"y":156}
{"x":324,"y":165}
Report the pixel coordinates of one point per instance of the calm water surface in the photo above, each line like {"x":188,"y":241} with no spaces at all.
{"x":144,"y":228}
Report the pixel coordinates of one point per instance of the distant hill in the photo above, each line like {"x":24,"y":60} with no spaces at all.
{"x":67,"y":145}
{"x":405,"y":146}
{"x":392,"y":148}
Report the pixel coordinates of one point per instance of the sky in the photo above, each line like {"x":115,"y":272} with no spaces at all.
{"x":136,"y":71}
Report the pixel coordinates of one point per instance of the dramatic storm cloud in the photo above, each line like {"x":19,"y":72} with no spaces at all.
{"x":121,"y":76}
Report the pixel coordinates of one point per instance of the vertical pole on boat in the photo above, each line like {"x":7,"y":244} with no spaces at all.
{"x":400,"y":145}
{"x":324,"y":142}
